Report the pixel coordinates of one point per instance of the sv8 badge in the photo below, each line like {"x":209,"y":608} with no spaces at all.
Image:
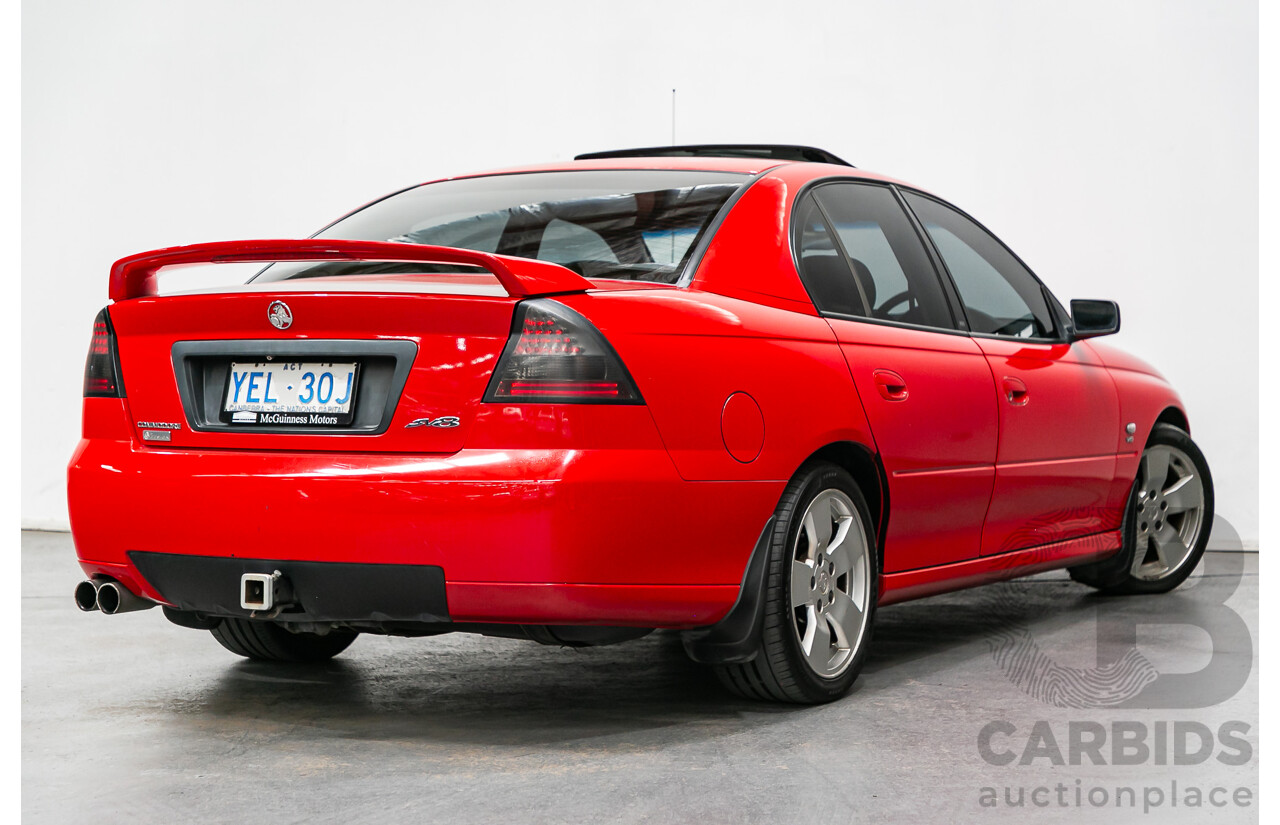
{"x":442,"y":421}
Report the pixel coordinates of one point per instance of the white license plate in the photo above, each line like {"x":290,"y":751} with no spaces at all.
{"x":278,"y":392}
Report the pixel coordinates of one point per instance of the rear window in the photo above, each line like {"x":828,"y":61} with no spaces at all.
{"x":639,"y":225}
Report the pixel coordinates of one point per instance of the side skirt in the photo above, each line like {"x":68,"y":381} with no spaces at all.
{"x":928,"y":581}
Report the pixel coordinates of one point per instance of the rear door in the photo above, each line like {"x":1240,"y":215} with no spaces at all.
{"x":925,"y":385}
{"x":1059,"y":411}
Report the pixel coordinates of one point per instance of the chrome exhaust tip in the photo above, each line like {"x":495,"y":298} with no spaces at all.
{"x":114,"y":597}
{"x":87,"y":596}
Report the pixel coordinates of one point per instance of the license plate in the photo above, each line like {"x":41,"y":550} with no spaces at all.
{"x":284,"y":393}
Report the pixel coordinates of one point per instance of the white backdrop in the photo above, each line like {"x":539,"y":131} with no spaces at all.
{"x":1112,"y":144}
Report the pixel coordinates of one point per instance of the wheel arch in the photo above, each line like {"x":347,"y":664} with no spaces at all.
{"x":864,"y":464}
{"x":1176,"y":417}
{"x":734,"y":639}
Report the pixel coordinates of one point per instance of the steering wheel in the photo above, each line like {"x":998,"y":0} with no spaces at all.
{"x":901,"y":298}
{"x":1018,"y":326}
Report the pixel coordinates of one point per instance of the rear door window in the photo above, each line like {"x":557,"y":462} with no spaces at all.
{"x":823,"y":267}
{"x":861,"y":256}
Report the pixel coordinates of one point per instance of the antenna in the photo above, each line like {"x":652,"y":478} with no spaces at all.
{"x":673,"y":117}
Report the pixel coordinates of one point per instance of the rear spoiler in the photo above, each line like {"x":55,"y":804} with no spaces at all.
{"x":135,"y":276}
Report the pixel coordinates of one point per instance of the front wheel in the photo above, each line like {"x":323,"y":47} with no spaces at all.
{"x":820,"y":593}
{"x":268,"y":641}
{"x":1167,"y":520}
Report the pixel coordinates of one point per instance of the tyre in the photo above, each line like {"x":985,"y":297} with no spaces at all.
{"x":820,"y":593}
{"x":270,"y":642}
{"x":1167,"y":520}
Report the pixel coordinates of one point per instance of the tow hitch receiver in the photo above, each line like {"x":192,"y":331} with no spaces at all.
{"x":264,"y":591}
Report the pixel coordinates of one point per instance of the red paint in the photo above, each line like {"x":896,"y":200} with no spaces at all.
{"x":935,"y":427}
{"x":750,"y":256}
{"x":533,"y":515}
{"x":1144,"y":396}
{"x":1001,"y":458}
{"x":890,"y":385}
{"x":639,"y":605}
{"x":459,"y":339}
{"x":135,"y":276}
{"x":1059,"y":417}
{"x":688,"y":351}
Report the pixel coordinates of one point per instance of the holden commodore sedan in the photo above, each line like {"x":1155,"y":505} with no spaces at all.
{"x":745,"y":393}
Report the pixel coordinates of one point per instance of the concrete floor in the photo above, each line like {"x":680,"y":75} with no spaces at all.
{"x":130,"y":719}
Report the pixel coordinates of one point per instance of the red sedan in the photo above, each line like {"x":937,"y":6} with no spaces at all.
{"x":744,"y":392}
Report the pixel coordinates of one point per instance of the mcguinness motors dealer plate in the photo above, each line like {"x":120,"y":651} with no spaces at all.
{"x":290,"y":393}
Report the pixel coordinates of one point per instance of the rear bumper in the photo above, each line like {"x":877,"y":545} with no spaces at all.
{"x":595,"y":537}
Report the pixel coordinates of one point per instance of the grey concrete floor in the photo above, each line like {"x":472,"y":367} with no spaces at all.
{"x":130,"y":719}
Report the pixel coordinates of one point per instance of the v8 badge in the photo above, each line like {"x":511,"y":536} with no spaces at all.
{"x":443,"y":421}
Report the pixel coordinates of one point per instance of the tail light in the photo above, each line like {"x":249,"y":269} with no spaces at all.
{"x":102,"y":367}
{"x":555,"y":356}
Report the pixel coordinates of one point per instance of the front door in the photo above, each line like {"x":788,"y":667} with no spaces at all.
{"x":1059,"y":410}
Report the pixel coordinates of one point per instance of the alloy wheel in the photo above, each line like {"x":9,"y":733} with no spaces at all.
{"x":830,"y":583}
{"x":1168,"y":512}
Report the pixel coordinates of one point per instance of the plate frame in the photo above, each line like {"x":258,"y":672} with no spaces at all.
{"x":344,"y":419}
{"x":184,"y":356}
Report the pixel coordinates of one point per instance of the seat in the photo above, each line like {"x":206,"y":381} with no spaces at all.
{"x":829,"y":284}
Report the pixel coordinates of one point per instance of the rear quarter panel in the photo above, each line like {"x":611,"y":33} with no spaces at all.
{"x":688,"y":351}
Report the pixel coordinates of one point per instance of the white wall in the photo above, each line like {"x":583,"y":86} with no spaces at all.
{"x":1112,"y":144}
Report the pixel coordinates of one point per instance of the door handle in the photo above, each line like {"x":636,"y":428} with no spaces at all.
{"x":891,"y":386}
{"x":1015,"y":392}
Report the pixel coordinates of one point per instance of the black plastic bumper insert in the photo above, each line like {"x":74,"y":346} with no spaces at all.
{"x":321,"y":591}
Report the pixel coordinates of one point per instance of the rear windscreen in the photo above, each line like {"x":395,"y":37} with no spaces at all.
{"x":637,"y":225}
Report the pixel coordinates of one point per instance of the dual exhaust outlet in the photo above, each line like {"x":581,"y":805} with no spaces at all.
{"x":110,"y":597}
{"x":259,"y":592}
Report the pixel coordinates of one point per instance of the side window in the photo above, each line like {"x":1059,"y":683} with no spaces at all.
{"x":894,"y":275}
{"x":1000,"y":296}
{"x":823,"y":269}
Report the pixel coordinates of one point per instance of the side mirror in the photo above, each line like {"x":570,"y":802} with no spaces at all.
{"x":1093,"y":318}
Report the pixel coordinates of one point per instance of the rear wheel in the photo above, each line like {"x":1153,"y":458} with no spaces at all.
{"x":820,"y":593}
{"x":268,"y":641}
{"x":1167,"y":520}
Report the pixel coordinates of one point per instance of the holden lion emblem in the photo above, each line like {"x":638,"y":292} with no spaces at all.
{"x":279,"y":314}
